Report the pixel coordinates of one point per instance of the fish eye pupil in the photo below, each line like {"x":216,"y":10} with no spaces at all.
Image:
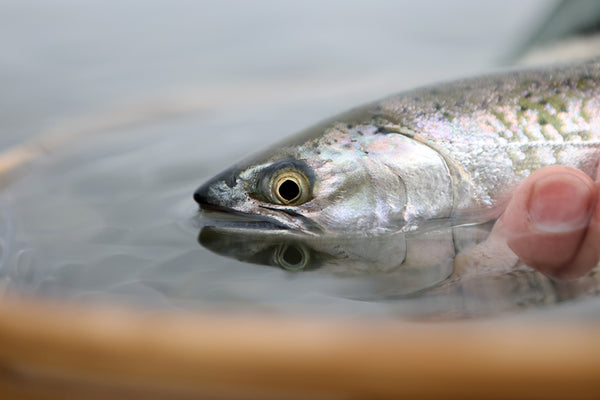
{"x":289,"y":190}
{"x":288,"y":187}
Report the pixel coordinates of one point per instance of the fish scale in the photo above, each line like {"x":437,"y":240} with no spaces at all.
{"x":521,"y":121}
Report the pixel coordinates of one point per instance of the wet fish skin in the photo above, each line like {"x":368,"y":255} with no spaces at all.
{"x":450,"y":152}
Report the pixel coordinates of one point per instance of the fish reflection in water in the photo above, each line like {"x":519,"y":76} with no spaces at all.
{"x":413,"y":263}
{"x":419,"y":267}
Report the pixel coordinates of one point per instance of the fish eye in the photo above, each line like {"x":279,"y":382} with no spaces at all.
{"x":288,"y":190}
{"x":290,"y":187}
{"x":292,"y":257}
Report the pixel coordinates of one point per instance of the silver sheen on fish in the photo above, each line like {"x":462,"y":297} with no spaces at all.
{"x":451,"y":152}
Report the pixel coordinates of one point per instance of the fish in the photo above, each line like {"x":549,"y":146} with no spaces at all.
{"x":416,"y":267}
{"x":450,"y":153}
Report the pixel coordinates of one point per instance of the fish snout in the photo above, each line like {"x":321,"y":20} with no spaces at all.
{"x":210,"y":195}
{"x":219,"y":192}
{"x":202,"y":195}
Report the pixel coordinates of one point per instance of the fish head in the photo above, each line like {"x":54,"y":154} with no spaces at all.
{"x":341,"y":176}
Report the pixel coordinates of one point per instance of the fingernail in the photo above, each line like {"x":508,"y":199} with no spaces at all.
{"x":560,"y":203}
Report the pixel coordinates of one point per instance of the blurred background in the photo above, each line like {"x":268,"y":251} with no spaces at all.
{"x":63,"y":59}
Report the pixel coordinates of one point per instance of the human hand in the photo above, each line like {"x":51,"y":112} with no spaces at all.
{"x":552,"y":222}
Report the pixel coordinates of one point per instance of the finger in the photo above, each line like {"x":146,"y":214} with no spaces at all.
{"x":546,"y":221}
{"x":588,"y":254}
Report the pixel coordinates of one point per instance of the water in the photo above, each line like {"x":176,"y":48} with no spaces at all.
{"x":107,"y":215}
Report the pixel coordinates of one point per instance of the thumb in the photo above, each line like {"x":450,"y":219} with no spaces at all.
{"x":546,"y":222}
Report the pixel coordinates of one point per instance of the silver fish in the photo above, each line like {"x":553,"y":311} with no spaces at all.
{"x":451,"y":152}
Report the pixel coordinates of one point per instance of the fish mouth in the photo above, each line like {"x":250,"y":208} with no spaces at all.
{"x":222,"y":216}
{"x":226,"y":218}
{"x":253,"y":215}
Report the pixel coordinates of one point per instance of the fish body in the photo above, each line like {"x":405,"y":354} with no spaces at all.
{"x":451,"y":152}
